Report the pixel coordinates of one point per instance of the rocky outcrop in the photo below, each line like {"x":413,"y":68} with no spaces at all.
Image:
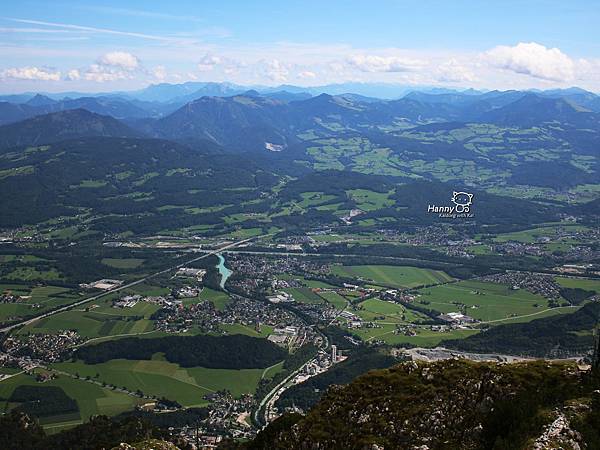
{"x":453,"y":404}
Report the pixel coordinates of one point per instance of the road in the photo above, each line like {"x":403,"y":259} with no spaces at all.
{"x":271,"y":395}
{"x":205,"y":254}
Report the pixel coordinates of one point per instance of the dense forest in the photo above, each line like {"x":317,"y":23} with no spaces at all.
{"x":19,"y":431}
{"x":558,"y":336}
{"x":40,"y":401}
{"x":305,"y":395}
{"x":219,"y":352}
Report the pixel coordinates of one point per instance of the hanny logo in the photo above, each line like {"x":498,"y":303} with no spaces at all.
{"x":461,"y":206}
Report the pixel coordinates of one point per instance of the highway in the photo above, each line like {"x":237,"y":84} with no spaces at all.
{"x":205,"y":254}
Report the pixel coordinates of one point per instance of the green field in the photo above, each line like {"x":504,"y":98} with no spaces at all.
{"x":393,"y":276}
{"x":149,"y":290}
{"x":304,"y":295}
{"x":91,"y":398}
{"x":98,"y":322}
{"x":219,"y":298}
{"x":162,"y":378}
{"x":534,"y":234}
{"x":581,"y":283}
{"x":335,"y":299}
{"x":367,"y":200}
{"x":381,"y":307}
{"x":382,"y":312}
{"x":238,"y":328}
{"x":43,"y":297}
{"x":386,"y":316}
{"x":314,"y":283}
{"x":484,"y":301}
{"x":424,"y":337}
{"x":26,"y":273}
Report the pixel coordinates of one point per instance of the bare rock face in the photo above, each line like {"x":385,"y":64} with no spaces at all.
{"x":559,"y":434}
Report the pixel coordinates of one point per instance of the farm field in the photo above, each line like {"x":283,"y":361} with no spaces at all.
{"x":162,"y":378}
{"x":334,"y":299}
{"x":219,"y":298}
{"x":483,"y":301}
{"x":304,"y":295}
{"x":98,"y":322}
{"x":26,"y":273}
{"x":424,"y":337}
{"x":238,"y":328}
{"x":46,"y":297}
{"x":581,"y":283}
{"x":387,"y":313}
{"x":315,"y":283}
{"x":149,"y":290}
{"x":393,"y":276}
{"x":367,"y":200}
{"x":139,"y":309}
{"x":534,"y":234}
{"x":91,"y":398}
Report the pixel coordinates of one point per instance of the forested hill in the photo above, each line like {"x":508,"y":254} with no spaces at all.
{"x":450,"y":404}
{"x":558,"y":336}
{"x":113,"y":175}
{"x":59,"y":126}
{"x":220,"y":352}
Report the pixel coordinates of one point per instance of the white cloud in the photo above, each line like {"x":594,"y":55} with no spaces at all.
{"x":30,"y":30}
{"x":100,"y":73}
{"x":73,"y":75}
{"x":275,"y":70}
{"x":374,"y":63}
{"x":208,"y":62}
{"x":83,"y":29}
{"x":159,"y":72}
{"x":30,"y":73}
{"x":534,"y":60}
{"x":453,"y":71}
{"x":123,"y":60}
{"x":114,"y":66}
{"x":307,"y":74}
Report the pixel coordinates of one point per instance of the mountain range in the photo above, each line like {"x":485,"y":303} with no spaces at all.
{"x":488,"y":141}
{"x":252,"y":121}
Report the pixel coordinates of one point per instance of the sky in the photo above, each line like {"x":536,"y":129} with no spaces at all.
{"x":91,"y":46}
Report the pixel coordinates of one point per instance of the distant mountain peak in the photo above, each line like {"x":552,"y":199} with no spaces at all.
{"x":40,"y":100}
{"x":251,"y":93}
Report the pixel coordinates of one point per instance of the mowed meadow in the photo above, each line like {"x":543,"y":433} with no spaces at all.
{"x":91,"y":397}
{"x":158,"y":377}
{"x":393,"y":276}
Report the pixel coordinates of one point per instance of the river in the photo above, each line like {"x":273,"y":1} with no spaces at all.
{"x":223,"y":270}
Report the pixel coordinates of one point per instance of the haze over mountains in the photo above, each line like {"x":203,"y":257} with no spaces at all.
{"x":237,"y":118}
{"x":160,"y":99}
{"x":548,"y":139}
{"x":492,"y":141}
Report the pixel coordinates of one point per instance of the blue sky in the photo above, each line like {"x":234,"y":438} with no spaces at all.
{"x":102,"y":46}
